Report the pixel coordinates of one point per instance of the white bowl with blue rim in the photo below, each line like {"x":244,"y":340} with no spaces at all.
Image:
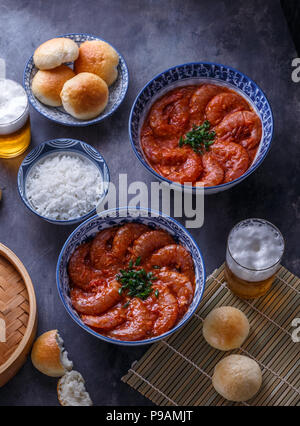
{"x":120,"y":216}
{"x":199,"y":73}
{"x":117,"y":91}
{"x":61,"y":146}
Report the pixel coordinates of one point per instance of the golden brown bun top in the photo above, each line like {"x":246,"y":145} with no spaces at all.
{"x":226,"y":328}
{"x":55,"y":52}
{"x":98,"y":57}
{"x":47,"y":84}
{"x":46,"y":355}
{"x":84,"y":93}
{"x":237,"y":378}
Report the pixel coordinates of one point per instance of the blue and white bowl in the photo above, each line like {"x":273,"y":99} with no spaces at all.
{"x":197,"y":73}
{"x":68,"y":146}
{"x":117,"y":91}
{"x":92,"y":226}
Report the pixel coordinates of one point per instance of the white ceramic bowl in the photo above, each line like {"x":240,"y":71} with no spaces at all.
{"x":68,"y":146}
{"x":117,"y":91}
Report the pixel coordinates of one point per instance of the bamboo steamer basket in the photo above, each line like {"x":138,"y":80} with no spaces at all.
{"x":18,"y":314}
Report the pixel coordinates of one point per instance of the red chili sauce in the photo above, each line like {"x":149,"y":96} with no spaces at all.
{"x":131,"y":282}
{"x":236,"y":126}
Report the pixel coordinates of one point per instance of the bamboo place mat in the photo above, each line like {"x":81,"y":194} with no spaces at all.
{"x":177,"y":371}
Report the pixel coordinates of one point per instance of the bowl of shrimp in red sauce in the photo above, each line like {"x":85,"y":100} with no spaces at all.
{"x":201,"y":124}
{"x":131,"y":280}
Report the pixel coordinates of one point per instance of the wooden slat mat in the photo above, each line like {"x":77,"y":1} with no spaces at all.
{"x":178,"y":370}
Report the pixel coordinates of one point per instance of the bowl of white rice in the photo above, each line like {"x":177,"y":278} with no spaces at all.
{"x":63,"y":181}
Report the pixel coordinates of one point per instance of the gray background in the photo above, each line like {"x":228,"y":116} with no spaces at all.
{"x":152,"y":35}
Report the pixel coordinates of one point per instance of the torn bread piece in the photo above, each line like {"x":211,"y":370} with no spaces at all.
{"x":49,"y":355}
{"x":71,"y":390}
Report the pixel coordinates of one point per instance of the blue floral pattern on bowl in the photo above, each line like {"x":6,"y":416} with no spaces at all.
{"x":92,"y":226}
{"x":117,"y":91}
{"x":196,"y":73}
{"x":68,"y":146}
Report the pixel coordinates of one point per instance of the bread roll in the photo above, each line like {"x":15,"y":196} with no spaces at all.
{"x":99,"y":58}
{"x":49,"y":356}
{"x":84,"y":96}
{"x":237,"y":378}
{"x":71,"y":390}
{"x":55,"y":52}
{"x":226,"y":328}
{"x":47,"y":85}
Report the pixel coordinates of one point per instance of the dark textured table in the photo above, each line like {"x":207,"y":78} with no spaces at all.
{"x":152,"y":35}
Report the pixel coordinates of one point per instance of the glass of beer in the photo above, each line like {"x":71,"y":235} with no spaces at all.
{"x":14,"y":119}
{"x":254,"y":251}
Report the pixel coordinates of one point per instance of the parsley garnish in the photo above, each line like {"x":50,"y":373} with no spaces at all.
{"x":137,"y":282}
{"x":199,"y":138}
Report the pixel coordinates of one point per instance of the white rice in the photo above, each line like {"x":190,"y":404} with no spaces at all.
{"x":64,"y":186}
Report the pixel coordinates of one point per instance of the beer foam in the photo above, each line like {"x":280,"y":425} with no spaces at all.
{"x":257,"y":246}
{"x":13,"y":106}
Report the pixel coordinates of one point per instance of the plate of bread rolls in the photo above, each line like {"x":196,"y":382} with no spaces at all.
{"x":76,"y":79}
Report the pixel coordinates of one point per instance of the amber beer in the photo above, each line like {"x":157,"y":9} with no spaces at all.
{"x":254,"y":251}
{"x":14,"y":119}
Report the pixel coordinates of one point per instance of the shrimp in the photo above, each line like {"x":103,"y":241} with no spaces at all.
{"x":80,"y":272}
{"x":147,"y":243}
{"x":107,"y":321}
{"x":186,"y":172}
{"x":162,"y":152}
{"x":180,"y":285}
{"x":200,"y":99}
{"x":96,"y":300}
{"x":213,"y":171}
{"x":137,"y":325}
{"x":243,"y":127}
{"x":166,"y":310}
{"x":110,"y":246}
{"x":252,"y":154}
{"x":125,"y":236}
{"x":223,"y":104}
{"x":233,"y":157}
{"x":100,"y":248}
{"x":174,"y":256}
{"x":170,"y":114}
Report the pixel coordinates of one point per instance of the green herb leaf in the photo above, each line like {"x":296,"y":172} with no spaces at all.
{"x":137,"y":282}
{"x":200,"y":138}
{"x":156,"y":293}
{"x":126,"y":305}
{"x":138,"y":261}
